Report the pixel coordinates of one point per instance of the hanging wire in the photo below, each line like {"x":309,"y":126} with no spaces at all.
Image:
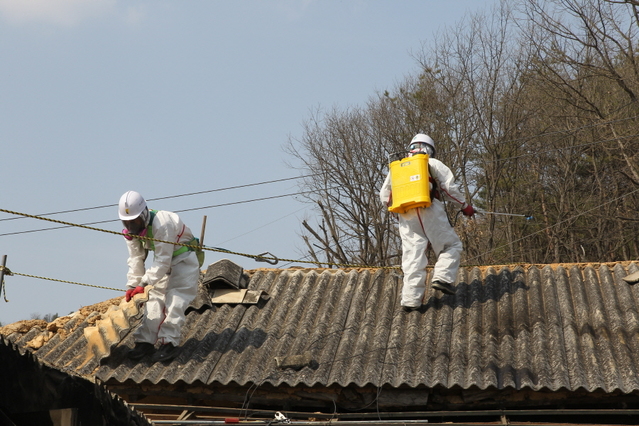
{"x":258,"y":257}
{"x":167,"y":197}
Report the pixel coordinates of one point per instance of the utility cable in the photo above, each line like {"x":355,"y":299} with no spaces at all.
{"x":167,"y":197}
{"x":7,"y":271}
{"x":285,"y":179}
{"x":311,"y":175}
{"x":559,"y":132}
{"x":176,"y":211}
{"x":266,"y":224}
{"x":257,"y":257}
{"x":576,"y":129}
{"x":261,"y":257}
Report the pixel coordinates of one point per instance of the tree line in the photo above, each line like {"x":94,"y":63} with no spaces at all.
{"x":533,"y":106}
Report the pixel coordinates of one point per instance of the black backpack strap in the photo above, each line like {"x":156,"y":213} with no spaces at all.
{"x":435,"y":194}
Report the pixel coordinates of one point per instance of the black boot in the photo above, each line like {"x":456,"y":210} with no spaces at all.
{"x":444,"y":287}
{"x":166,"y":353}
{"x":141,"y":350}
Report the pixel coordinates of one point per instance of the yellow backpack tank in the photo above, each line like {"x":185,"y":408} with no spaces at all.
{"x":409,"y":183}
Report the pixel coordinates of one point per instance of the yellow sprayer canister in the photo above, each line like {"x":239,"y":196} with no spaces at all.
{"x":409,"y":183}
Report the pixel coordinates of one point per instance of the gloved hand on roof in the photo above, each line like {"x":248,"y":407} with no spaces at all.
{"x":133,"y":291}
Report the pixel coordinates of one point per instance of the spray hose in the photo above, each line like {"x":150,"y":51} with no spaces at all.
{"x":527,"y":216}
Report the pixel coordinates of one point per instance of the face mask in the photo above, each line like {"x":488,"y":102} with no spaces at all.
{"x":127,"y":234}
{"x":135,"y":226}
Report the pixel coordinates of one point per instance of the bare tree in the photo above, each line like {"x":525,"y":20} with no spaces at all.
{"x":344,"y":155}
{"x":585,"y":61}
{"x":477,"y":70}
{"x":535,"y":111}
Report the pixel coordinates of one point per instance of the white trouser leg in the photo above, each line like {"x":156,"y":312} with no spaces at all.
{"x":167,"y":302}
{"x":182,"y":290}
{"x":153,"y":315}
{"x":445,"y":242}
{"x":416,"y":228}
{"x":414,"y":260}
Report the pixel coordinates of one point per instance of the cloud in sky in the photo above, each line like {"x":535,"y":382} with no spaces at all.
{"x":59,"y":12}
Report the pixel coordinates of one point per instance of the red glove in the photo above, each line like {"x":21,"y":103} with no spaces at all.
{"x":133,"y":291}
{"x":468,"y":210}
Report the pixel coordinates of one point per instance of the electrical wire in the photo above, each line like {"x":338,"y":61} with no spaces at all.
{"x":175,"y":211}
{"x":258,"y":257}
{"x":166,"y":197}
{"x":299,"y":193}
{"x":516,"y":157}
{"x":311,"y":175}
{"x":305,"y":176}
{"x":260,"y":227}
{"x":285,"y":260}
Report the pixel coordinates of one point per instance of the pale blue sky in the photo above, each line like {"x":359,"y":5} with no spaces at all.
{"x":98,"y":97}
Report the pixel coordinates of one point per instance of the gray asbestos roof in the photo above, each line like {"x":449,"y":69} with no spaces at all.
{"x":538,"y":327}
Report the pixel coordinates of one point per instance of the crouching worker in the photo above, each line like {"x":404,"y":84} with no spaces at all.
{"x":420,"y":226}
{"x":173,"y":276}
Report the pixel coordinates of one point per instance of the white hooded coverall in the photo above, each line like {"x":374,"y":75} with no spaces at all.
{"x":174,"y":279}
{"x":418,"y":227}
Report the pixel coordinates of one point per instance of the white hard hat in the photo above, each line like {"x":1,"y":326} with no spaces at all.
{"x":423,"y":138}
{"x":131,"y":205}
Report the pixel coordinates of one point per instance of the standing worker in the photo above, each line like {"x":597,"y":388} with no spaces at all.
{"x":420,"y":226}
{"x":173,"y":276}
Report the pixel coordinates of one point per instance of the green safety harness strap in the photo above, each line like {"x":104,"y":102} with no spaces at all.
{"x":194,"y":242}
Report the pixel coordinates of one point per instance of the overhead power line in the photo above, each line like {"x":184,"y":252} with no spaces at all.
{"x":176,"y":211}
{"x":311,"y":175}
{"x":166,"y":197}
{"x":258,"y":257}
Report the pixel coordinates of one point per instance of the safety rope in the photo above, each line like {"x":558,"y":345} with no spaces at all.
{"x":257,"y":257}
{"x":7,"y":271}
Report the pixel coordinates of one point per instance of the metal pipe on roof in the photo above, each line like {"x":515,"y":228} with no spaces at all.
{"x":4,"y":263}
{"x":203,"y":230}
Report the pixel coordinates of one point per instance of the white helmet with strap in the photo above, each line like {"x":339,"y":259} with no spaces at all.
{"x":134,"y":213}
{"x":421,"y":143}
{"x":131,"y":205}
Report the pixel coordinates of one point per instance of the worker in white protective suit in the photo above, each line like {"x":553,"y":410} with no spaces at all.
{"x":173,"y":275}
{"x":423,"y":225}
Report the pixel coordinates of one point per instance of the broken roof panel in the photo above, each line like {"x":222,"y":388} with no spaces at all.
{"x":538,"y":327}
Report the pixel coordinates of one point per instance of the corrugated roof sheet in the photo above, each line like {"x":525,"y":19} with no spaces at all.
{"x":538,"y":327}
